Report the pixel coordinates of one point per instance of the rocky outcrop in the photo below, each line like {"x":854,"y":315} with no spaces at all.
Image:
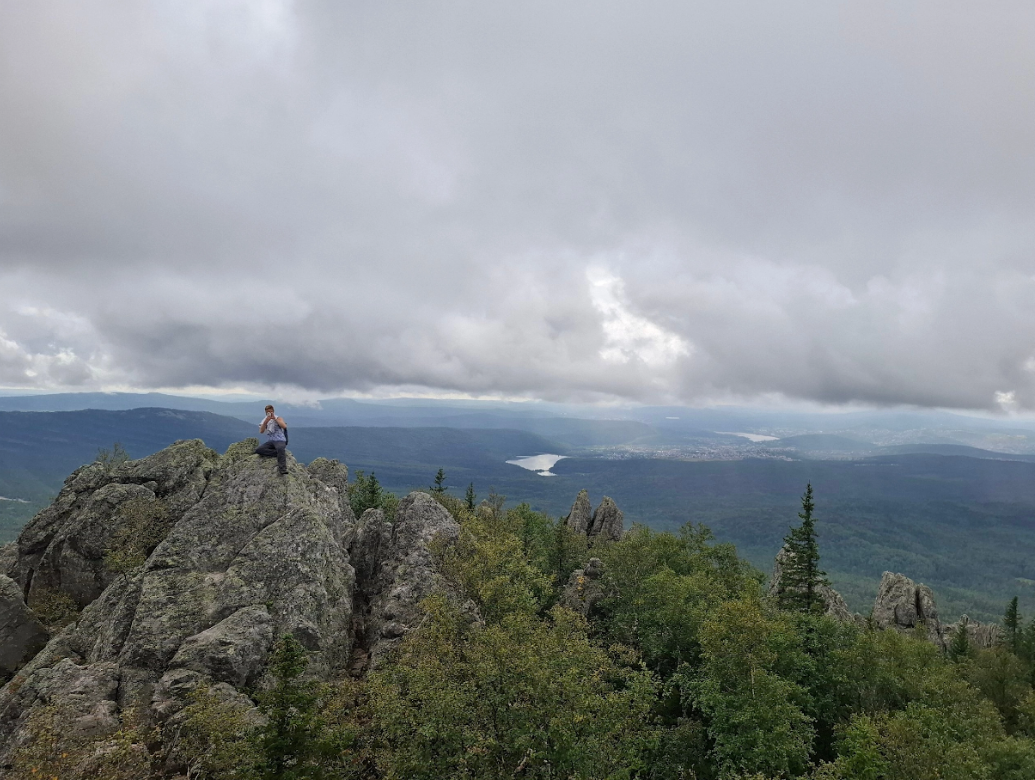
{"x":604,"y":524}
{"x":396,"y":572}
{"x":903,"y":605}
{"x":62,"y":548}
{"x":607,"y":522}
{"x":584,"y":588}
{"x":833,"y":604}
{"x":979,"y":635}
{"x":21,"y":633}
{"x":246,"y":556}
{"x":580,"y":516}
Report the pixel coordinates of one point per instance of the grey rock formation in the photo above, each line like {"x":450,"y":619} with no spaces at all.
{"x":249,"y":556}
{"x":979,"y":635}
{"x":607,"y":522}
{"x":833,"y":604}
{"x":396,"y":571}
{"x":21,"y":634}
{"x":584,"y":588}
{"x":903,"y":605}
{"x":62,"y":548}
{"x":580,"y":516}
{"x":8,"y":557}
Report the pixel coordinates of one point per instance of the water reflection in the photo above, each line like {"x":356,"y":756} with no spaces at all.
{"x":540,"y":464}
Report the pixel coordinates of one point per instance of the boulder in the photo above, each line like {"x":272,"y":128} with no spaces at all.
{"x":21,"y":633}
{"x":580,"y":516}
{"x":903,"y":605}
{"x":607,"y":522}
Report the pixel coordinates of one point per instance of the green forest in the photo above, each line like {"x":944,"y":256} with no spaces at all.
{"x":663,"y":659}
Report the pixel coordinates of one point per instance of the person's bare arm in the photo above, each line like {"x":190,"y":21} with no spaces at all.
{"x":264,"y":423}
{"x":281,"y":423}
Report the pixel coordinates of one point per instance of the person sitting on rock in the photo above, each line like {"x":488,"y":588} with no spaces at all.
{"x":276,"y":439}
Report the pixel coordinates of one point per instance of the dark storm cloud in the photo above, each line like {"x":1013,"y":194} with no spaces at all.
{"x":828,"y":201}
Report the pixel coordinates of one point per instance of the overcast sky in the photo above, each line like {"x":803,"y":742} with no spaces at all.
{"x":683,"y":202}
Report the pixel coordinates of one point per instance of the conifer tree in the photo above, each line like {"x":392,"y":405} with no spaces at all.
{"x":1012,"y":624}
{"x":800,"y":576}
{"x":440,"y":483}
{"x":470,"y":497}
{"x":959,"y":647}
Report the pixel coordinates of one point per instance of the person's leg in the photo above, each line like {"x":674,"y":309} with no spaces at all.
{"x":266,"y":450}
{"x":281,"y":456}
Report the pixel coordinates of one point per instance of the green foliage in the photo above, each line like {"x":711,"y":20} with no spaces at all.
{"x":216,"y":738}
{"x":54,"y":608}
{"x":439,"y":485}
{"x":1012,"y":625}
{"x":141,"y":524}
{"x":663,"y":587}
{"x":113,"y":458}
{"x":297,"y":742}
{"x":488,"y":563}
{"x":755,"y":710}
{"x":52,"y":750}
{"x":959,"y":645}
{"x":522,"y":697}
{"x":470,"y":497}
{"x":366,"y":493}
{"x":800,"y":576}
{"x":1003,"y":679}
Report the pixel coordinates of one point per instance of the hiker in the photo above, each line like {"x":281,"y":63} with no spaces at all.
{"x":276,"y":439}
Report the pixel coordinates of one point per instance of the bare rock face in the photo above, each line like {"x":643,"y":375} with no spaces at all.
{"x":833,"y":604}
{"x":903,"y":605}
{"x":607,"y":522}
{"x":21,"y":633}
{"x":62,"y":548}
{"x":335,"y":475}
{"x":584,"y":588}
{"x":396,"y":571}
{"x":580,"y":517}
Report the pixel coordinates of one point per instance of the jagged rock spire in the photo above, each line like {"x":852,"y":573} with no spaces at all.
{"x":607,"y":521}
{"x":580,"y":516}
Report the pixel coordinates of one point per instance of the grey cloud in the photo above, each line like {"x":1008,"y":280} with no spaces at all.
{"x":825,"y":201}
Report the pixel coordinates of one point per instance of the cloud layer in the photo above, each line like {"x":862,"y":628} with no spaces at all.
{"x":655,"y":201}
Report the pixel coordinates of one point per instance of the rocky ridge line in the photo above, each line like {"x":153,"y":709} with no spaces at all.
{"x":247,"y":556}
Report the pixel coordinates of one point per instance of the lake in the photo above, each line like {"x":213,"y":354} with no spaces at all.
{"x":540,"y":464}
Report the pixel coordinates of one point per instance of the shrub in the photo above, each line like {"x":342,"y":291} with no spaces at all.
{"x":142,"y":524}
{"x":54,"y":608}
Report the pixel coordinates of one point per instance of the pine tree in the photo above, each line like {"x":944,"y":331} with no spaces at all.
{"x":289,"y":742}
{"x":1012,"y":624}
{"x":800,"y":576}
{"x":440,"y":483}
{"x":959,"y":647}
{"x":470,"y":497}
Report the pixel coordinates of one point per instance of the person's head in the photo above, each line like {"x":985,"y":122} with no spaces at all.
{"x":269,"y":408}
